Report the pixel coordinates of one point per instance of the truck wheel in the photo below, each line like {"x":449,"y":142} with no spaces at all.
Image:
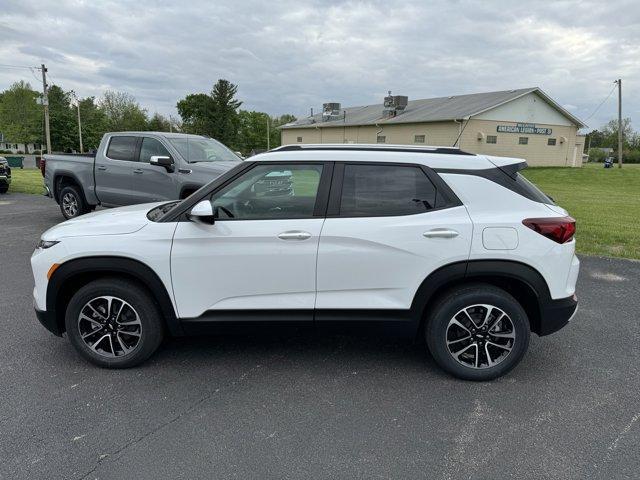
{"x":477,"y":332}
{"x":72,"y":202}
{"x":114,"y":323}
{"x":4,"y":188}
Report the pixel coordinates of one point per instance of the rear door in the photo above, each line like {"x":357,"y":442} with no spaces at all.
{"x":387,"y":228}
{"x":114,"y":171}
{"x":153,"y":183}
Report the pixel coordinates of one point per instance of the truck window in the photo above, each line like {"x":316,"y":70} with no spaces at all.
{"x":151,"y":147}
{"x":122,"y":148}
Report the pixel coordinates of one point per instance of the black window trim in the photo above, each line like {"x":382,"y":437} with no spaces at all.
{"x":136,"y":149}
{"x":319,"y":210}
{"x":333,"y":210}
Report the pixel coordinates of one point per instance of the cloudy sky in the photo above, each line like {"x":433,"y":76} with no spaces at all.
{"x":288,"y":56}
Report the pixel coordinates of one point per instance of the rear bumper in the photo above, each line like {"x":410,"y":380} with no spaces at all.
{"x":48,"y":321}
{"x":556,"y":314}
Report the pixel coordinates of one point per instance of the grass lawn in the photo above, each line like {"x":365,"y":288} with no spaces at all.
{"x":28,"y":180}
{"x":604,"y":202}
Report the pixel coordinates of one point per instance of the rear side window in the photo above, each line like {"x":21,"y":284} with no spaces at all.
{"x":530,"y":191}
{"x":383,"y":190}
{"x":122,"y":148}
{"x":150,"y":148}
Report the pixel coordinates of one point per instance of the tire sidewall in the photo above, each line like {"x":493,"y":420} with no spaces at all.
{"x":436,"y":330}
{"x":139,"y":299}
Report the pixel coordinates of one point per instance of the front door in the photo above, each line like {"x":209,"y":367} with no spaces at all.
{"x":259,"y":257}
{"x":153,"y":183}
{"x":391,"y":229}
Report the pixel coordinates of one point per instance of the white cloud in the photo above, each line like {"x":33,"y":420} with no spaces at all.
{"x":288,"y":56}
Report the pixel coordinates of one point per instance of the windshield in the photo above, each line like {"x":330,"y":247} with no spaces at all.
{"x":200,"y":149}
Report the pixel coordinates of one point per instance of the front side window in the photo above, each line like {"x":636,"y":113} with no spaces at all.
{"x":122,"y":148}
{"x":523,"y":141}
{"x":383,"y":190}
{"x":150,"y":148}
{"x":270,"y":191}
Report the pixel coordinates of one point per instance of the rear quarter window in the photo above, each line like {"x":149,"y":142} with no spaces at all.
{"x":532,"y":192}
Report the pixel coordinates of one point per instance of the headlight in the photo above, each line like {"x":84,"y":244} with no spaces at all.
{"x":46,"y":243}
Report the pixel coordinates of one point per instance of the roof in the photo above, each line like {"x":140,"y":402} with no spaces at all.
{"x":455,"y":107}
{"x":434,"y":157}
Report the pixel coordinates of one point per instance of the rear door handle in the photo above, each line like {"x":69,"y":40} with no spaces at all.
{"x":102,"y":167}
{"x":138,"y":170}
{"x":441,"y":233}
{"x":294,"y":235}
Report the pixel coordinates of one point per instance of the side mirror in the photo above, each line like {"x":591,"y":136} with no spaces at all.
{"x":162,"y":161}
{"x":202,"y":212}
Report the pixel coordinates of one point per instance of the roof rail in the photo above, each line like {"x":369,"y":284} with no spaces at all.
{"x":374,"y":148}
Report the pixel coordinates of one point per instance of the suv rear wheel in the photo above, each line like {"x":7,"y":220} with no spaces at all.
{"x":477,"y":332}
{"x":114,"y":323}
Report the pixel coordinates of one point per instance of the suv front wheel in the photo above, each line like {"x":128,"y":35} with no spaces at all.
{"x":477,"y":332}
{"x":114,"y":323}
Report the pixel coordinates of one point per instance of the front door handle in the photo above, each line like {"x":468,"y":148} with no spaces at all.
{"x":138,"y":170}
{"x":102,"y":167}
{"x":441,"y":233}
{"x":294,"y":235}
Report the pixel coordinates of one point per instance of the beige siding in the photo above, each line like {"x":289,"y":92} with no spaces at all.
{"x":474,"y":139}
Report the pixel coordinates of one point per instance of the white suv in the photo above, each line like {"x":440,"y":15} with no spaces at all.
{"x":459,"y":249}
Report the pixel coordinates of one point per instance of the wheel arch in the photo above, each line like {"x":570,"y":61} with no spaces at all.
{"x":522,"y":281}
{"x":72,"y":275}
{"x":61,"y":180}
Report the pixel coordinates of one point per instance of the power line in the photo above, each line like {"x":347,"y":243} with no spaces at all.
{"x":601,"y":103}
{"x":5,"y":65}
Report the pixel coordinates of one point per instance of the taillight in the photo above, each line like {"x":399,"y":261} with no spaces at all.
{"x":558,"y":229}
{"x":43,"y":163}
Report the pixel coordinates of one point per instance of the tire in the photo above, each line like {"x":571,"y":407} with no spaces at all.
{"x":126,"y":337}
{"x":462,"y":348}
{"x":72,"y":203}
{"x":4,"y":188}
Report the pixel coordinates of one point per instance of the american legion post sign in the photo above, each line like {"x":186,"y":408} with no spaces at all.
{"x":525,"y":123}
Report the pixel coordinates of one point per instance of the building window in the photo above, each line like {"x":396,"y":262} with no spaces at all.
{"x":523,"y":141}
{"x":381,"y":139}
{"x":492,"y":139}
{"x":551,"y":141}
{"x":419,"y":138}
{"x":299,"y":139}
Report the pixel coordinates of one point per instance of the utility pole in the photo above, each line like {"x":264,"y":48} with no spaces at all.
{"x":619,"y":123}
{"x":268,"y":136}
{"x":45,"y":103}
{"x":79,"y":125}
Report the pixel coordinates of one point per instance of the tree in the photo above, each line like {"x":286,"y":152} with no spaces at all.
{"x":122,"y":112}
{"x":159,"y":123}
{"x":610,"y":133}
{"x":20,"y":115}
{"x":215,"y":115}
{"x":94,"y":123}
{"x":226,"y":112}
{"x":197,"y":114}
{"x":63,"y":123}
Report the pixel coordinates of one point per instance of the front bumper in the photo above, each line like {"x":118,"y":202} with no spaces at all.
{"x":556,"y":314}
{"x":48,"y":321}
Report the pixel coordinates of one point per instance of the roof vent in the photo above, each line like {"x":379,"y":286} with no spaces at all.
{"x":330,"y":111}
{"x":394,"y":105}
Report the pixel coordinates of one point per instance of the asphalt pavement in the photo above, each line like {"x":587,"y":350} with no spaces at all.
{"x":296,"y":405}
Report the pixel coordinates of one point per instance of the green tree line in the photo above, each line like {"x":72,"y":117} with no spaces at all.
{"x":607,"y":137}
{"x":216,"y":114}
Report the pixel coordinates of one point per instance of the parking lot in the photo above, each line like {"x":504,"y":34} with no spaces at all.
{"x":297,"y":406}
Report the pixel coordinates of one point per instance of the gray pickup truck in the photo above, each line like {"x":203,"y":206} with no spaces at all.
{"x":134,"y":167}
